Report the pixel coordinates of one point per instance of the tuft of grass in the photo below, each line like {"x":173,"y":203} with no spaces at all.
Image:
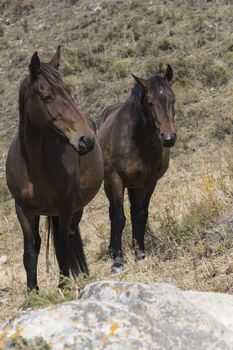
{"x":46,"y":297}
{"x":174,"y":236}
{"x":126,"y":51}
{"x":1,"y":31}
{"x":214,"y":74}
{"x":222,"y":128}
{"x":184,"y":69}
{"x":20,"y":343}
{"x":166,"y":45}
{"x":118,"y":69}
{"x":179,"y":235}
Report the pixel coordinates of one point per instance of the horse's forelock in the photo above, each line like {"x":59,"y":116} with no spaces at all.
{"x":157,"y":82}
{"x":50,"y":73}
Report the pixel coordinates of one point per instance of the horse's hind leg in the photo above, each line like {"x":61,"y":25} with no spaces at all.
{"x":115,"y":193}
{"x":30,"y":226}
{"x":139,"y":203}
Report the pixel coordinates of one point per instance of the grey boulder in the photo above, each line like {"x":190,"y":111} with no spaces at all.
{"x":116,"y":315}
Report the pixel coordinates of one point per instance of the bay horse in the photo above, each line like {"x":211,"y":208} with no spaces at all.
{"x":54,"y":167}
{"x":135,"y":137}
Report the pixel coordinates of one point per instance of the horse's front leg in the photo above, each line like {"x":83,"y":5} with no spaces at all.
{"x":32,"y":241}
{"x":139,"y":203}
{"x":115,"y":194}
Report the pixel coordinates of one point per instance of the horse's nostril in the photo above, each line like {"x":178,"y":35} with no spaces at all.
{"x":85,"y":144}
{"x":167,"y":137}
{"x":168,"y":140}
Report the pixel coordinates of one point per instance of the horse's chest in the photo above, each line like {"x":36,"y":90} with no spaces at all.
{"x":49,"y":187}
{"x":138,"y":171}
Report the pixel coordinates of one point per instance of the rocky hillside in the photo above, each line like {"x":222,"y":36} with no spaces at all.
{"x":103,"y":42}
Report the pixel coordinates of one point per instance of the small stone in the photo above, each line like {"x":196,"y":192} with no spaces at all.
{"x":3,"y":259}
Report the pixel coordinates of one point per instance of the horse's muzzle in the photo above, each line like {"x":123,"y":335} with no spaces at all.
{"x":168,"y":140}
{"x":85,"y":145}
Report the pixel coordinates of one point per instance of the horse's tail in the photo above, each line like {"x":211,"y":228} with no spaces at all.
{"x":78,"y":261}
{"x":76,"y":256}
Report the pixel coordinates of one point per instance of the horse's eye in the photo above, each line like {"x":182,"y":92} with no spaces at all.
{"x":47,"y":99}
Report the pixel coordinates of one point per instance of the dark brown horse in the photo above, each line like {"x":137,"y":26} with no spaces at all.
{"x":135,"y":137}
{"x":54,"y":167}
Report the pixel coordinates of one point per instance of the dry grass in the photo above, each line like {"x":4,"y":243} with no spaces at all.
{"x":103,"y":42}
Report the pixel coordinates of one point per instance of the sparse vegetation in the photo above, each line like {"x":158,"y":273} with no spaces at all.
{"x":1,"y":31}
{"x":214,"y":74}
{"x":20,"y":343}
{"x":102,"y":43}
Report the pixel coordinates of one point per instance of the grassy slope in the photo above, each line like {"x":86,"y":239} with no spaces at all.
{"x":103,"y":42}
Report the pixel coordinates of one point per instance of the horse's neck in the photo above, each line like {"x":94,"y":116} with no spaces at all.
{"x":31,"y":147}
{"x":145,"y":135}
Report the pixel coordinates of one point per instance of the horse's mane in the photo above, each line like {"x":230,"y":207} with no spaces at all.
{"x":138,"y":95}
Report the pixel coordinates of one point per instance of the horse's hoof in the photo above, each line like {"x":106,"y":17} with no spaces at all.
{"x":112,"y":252}
{"x":34,"y":289}
{"x":139,"y":255}
{"x":118,"y":263}
{"x":115,"y":270}
{"x":64,"y":283}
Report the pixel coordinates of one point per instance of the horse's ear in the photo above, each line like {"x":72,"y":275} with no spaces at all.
{"x":168,"y":75}
{"x":34,"y":66}
{"x":142,"y":82}
{"x":55,"y":61}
